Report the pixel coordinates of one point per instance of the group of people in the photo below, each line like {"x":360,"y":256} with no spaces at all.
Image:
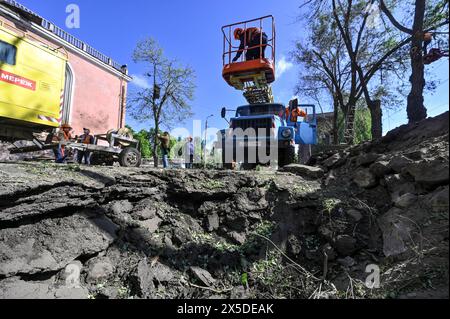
{"x":65,"y":136}
{"x":188,"y":150}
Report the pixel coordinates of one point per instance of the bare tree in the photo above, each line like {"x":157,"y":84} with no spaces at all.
{"x":167,"y":102}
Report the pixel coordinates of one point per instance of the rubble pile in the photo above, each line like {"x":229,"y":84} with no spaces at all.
{"x":304,"y":232}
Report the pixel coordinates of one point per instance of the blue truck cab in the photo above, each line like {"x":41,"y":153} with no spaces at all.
{"x":260,"y":125}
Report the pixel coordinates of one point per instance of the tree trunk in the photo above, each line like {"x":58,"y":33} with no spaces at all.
{"x":376,"y":115}
{"x":335,"y":122}
{"x":416,"y":109}
{"x":155,"y":114}
{"x":155,"y":146}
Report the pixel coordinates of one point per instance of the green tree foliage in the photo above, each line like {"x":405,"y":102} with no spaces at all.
{"x":170,"y":106}
{"x":363,"y":125}
{"x":146,"y":138}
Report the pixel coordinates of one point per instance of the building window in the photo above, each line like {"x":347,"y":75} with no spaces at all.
{"x":7,"y":53}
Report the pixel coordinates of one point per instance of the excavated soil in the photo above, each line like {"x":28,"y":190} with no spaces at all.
{"x":305,"y":232}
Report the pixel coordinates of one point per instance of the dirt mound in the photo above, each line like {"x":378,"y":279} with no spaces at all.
{"x":76,"y":232}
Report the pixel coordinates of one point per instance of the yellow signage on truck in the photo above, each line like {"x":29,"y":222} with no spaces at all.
{"x":32,"y":79}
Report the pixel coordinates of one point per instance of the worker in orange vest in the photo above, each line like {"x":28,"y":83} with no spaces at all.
{"x":292,"y":116}
{"x":63,"y":136}
{"x":86,"y":139}
{"x":252,"y":40}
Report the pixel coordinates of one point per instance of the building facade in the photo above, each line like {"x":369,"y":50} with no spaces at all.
{"x":95,"y":87}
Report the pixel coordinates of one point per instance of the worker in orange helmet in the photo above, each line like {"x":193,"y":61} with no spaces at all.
{"x":63,"y":136}
{"x":293,"y":115}
{"x":252,"y":39}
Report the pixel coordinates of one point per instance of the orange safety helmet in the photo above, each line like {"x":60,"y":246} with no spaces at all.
{"x":237,"y":33}
{"x":66,"y":126}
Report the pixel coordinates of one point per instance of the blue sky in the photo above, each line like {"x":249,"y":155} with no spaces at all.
{"x":190,"y":32}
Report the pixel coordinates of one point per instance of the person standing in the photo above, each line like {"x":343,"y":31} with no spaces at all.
{"x":63,"y":137}
{"x":86,"y":139}
{"x":164,"y":141}
{"x":190,"y":152}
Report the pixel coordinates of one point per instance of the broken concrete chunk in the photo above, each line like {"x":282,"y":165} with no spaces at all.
{"x":367,"y":159}
{"x":51,"y":244}
{"x":398,"y":163}
{"x":15,"y":288}
{"x":346,"y":245}
{"x":143,"y":278}
{"x":304,"y":171}
{"x":417,"y":155}
{"x":396,"y":232}
{"x":145,"y":213}
{"x":365,"y":179}
{"x":162,"y":273}
{"x":440,"y":200}
{"x":335,"y":161}
{"x":99,"y":270}
{"x":430,"y":174}
{"x":79,"y":293}
{"x":152,"y":225}
{"x":204,"y":276}
{"x":121,"y":207}
{"x":213,"y":222}
{"x":406,"y":200}
{"x":380,"y":169}
{"x":347,"y":262}
{"x":238,"y":238}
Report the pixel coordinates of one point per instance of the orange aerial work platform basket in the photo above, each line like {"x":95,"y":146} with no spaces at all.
{"x":250,"y":66}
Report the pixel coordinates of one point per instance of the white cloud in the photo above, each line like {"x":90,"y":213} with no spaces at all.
{"x":141,"y":82}
{"x":283,"y":65}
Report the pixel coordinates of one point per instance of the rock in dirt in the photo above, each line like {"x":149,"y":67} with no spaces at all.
{"x":15,"y":288}
{"x":367,"y":159}
{"x":440,"y":200}
{"x":213,"y":222}
{"x":365,"y":179}
{"x":346,"y":245}
{"x":304,"y":171}
{"x":204,"y":276}
{"x":347,"y":262}
{"x":334,"y":161}
{"x":380,"y":169}
{"x":405,"y":201}
{"x":99,"y":270}
{"x":50,"y":245}
{"x":430,"y":174}
{"x":398,"y":163}
{"x":396,"y":232}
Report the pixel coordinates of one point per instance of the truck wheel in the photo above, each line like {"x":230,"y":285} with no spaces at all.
{"x":96,"y":160}
{"x":130,"y":157}
{"x":286,"y":156}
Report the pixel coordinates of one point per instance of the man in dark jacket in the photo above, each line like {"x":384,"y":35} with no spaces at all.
{"x":252,"y":40}
{"x":164,"y":140}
